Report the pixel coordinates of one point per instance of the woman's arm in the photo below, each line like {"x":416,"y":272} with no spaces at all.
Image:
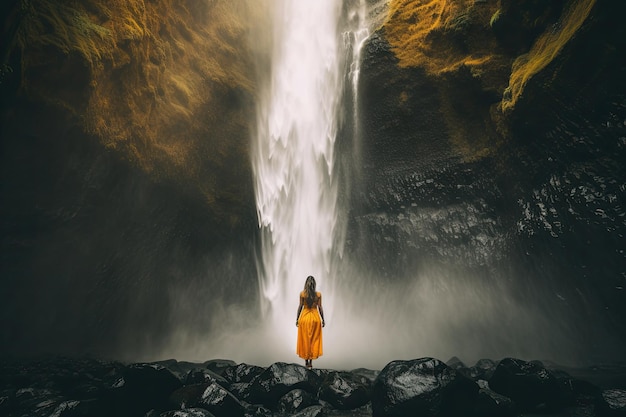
{"x":299,"y":311}
{"x":321,"y":310}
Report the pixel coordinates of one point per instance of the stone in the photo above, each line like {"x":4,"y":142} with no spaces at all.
{"x":188,"y":396}
{"x":242,"y":373}
{"x":612,"y":403}
{"x":530,"y":385}
{"x":219,"y":365}
{"x":280,"y":378}
{"x":455,"y":363}
{"x":256,"y":410}
{"x":490,"y":403}
{"x":313,"y":411}
{"x":142,"y":387}
{"x":221,"y":402}
{"x":295,"y":401}
{"x":189,"y":412}
{"x":425,"y":387}
{"x":201,"y":375}
{"x":368,"y":374}
{"x":345,"y":391}
{"x":241,"y":390}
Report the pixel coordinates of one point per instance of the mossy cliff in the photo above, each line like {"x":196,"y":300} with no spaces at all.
{"x":166,"y":85}
{"x":474,"y":59}
{"x":126,"y":178}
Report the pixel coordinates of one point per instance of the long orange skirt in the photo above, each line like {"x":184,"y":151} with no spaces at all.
{"x":309,"y":334}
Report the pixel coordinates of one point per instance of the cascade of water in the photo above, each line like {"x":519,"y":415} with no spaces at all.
{"x":294,"y":161}
{"x":294,"y":158}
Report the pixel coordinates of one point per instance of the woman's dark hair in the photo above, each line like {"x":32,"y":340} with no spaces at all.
{"x":309,"y":291}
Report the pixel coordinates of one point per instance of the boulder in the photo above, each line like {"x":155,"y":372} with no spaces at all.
{"x":490,"y":403}
{"x":280,"y":378}
{"x":241,"y":373}
{"x":188,"y":396}
{"x":219,"y":365}
{"x":295,"y":401}
{"x":202,"y":376}
{"x":425,"y":387}
{"x":313,"y":411}
{"x":345,"y":391}
{"x":142,"y":387}
{"x":189,"y":412}
{"x":368,"y":374}
{"x":530,"y":385}
{"x":241,"y":390}
{"x":221,"y":402}
{"x":455,"y":363}
{"x":612,"y":403}
{"x":257,"y":410}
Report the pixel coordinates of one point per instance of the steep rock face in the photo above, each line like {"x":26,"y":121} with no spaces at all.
{"x":126,"y":185}
{"x":152,"y":81}
{"x":492,"y":135}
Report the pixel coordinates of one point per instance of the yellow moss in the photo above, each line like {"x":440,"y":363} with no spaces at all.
{"x":414,"y":29}
{"x":65,"y":26}
{"x":545,"y":49}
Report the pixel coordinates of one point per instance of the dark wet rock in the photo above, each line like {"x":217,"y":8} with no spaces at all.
{"x":425,"y":387}
{"x":241,"y":390}
{"x":490,"y":403}
{"x":180,"y":368}
{"x":612,"y":403}
{"x":483,"y":369}
{"x":455,"y":363}
{"x":313,"y":411}
{"x":241,"y":373}
{"x":530,"y":385}
{"x":201,"y":376}
{"x":219,"y":365}
{"x":142,"y":387}
{"x":345,"y":391}
{"x":221,"y":402}
{"x":189,"y":412}
{"x":280,"y":378}
{"x":257,"y":410}
{"x":368,"y":374}
{"x":188,"y":396}
{"x":295,"y":401}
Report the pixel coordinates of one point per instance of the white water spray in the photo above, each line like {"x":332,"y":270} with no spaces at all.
{"x":294,"y":162}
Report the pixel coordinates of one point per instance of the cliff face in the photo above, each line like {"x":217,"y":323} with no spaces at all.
{"x":477,"y":58}
{"x":168,"y":86}
{"x":492,"y":139}
{"x":125,"y":168}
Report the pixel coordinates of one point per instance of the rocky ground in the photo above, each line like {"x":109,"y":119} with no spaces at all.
{"x":425,"y":387}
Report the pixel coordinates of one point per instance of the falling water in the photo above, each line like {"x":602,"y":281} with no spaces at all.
{"x":294,"y":160}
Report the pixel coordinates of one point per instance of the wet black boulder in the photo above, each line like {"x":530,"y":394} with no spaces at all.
{"x":612,"y":403}
{"x":221,"y":402}
{"x":425,"y":387}
{"x":530,"y":385}
{"x":344,"y":390}
{"x":295,"y":401}
{"x":280,"y":378}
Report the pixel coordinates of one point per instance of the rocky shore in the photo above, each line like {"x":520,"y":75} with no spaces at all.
{"x":63,"y":387}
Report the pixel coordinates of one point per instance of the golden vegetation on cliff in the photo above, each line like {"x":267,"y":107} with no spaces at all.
{"x":432,"y":34}
{"x":545,"y":49}
{"x":64,"y":26}
{"x":166,"y":83}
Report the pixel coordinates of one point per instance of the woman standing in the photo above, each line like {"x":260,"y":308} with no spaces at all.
{"x":310,"y":321}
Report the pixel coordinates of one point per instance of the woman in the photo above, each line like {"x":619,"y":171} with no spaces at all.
{"x":310,"y":321}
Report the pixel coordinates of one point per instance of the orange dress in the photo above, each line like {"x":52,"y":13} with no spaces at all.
{"x":309,"y":329}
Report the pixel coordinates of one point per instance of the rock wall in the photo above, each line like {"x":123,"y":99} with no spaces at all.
{"x":126,"y":182}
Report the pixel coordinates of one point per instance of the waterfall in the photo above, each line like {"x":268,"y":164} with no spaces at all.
{"x":294,"y":161}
